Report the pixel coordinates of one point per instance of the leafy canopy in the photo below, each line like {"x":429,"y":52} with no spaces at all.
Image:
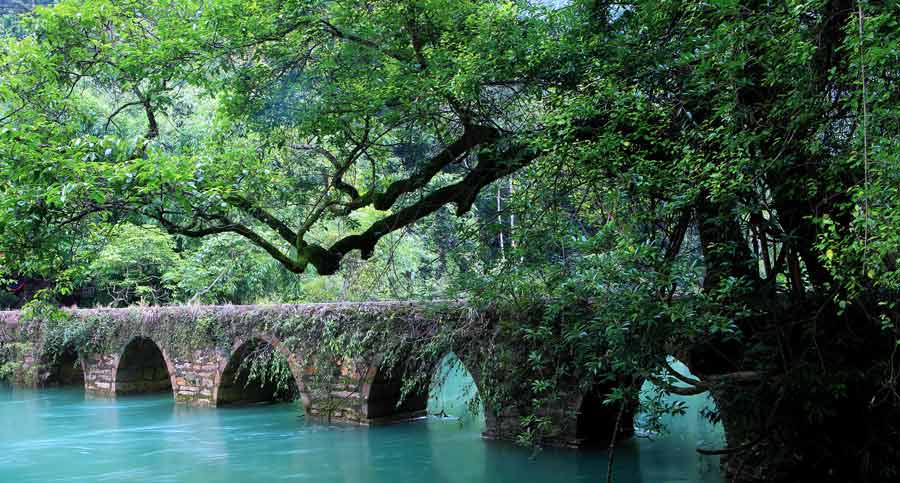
{"x":266,"y":119}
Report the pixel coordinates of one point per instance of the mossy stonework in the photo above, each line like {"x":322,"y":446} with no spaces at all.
{"x":362,"y":363}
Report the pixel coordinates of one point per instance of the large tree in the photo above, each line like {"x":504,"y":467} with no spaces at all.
{"x":755,"y":139}
{"x":758,"y":140}
{"x":325,"y":108}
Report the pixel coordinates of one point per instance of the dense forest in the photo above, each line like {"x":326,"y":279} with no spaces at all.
{"x":720,"y":180}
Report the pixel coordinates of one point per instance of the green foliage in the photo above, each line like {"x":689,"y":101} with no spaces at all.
{"x":132,"y":267}
{"x":226,"y":269}
{"x":716,"y":180}
{"x":265,"y":366}
{"x":11,"y":365}
{"x":158,"y":121}
{"x":60,"y":332}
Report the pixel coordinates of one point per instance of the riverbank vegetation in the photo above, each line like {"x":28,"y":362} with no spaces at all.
{"x":716,"y":180}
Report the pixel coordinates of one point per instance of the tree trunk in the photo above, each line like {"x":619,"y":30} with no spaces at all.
{"x":832,"y":414}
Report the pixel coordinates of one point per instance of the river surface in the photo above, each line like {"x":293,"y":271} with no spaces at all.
{"x":59,"y":435}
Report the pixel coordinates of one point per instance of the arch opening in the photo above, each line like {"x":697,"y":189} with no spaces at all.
{"x":668,"y":413}
{"x":65,"y":369}
{"x":257,"y":373}
{"x":453,"y":392}
{"x":596,"y":421}
{"x":386,"y":401}
{"x":673,"y":423}
{"x":142,"y":369}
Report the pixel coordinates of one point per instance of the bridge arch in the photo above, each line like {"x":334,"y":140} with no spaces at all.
{"x":597,"y":420}
{"x":700,"y":413}
{"x":382,"y":395}
{"x":452,"y":378}
{"x":66,"y":368}
{"x":143,"y":367}
{"x":232,"y":381}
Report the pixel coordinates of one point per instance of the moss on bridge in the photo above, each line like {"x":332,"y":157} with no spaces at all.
{"x":365,"y":363}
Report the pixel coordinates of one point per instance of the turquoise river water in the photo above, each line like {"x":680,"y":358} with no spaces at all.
{"x":59,"y":435}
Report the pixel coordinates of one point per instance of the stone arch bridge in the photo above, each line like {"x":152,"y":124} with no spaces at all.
{"x":197,"y":353}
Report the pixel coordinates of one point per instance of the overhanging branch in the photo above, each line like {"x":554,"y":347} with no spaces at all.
{"x":263,"y":216}
{"x":472,"y":137}
{"x":295,"y":266}
{"x":492,"y":167}
{"x":697,"y":386}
